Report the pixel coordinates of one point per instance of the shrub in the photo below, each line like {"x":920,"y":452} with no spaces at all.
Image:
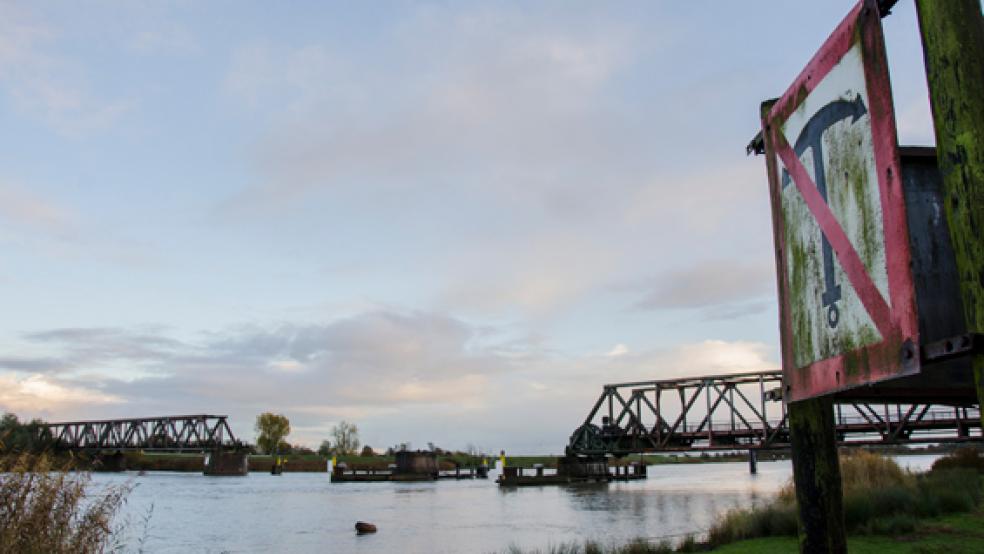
{"x":689,"y":544}
{"x":945,"y":491}
{"x":862,"y":506}
{"x":865,"y":471}
{"x":894,"y":525}
{"x":776,"y":519}
{"x":967,"y":458}
{"x":44,"y":509}
{"x":879,"y":497}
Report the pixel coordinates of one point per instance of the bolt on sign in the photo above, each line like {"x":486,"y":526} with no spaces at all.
{"x":847,"y":300}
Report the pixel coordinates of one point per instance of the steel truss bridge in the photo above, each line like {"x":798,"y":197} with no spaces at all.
{"x":168,"y":433}
{"x":745,"y":412}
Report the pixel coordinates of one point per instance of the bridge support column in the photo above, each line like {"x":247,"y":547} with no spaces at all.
{"x":816,"y":473}
{"x":227,"y":463}
{"x":752,"y":461}
{"x":110,"y":462}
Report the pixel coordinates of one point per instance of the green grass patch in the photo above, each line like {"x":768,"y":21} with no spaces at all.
{"x":887,"y":509}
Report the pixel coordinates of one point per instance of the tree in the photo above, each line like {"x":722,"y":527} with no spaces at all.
{"x":325,"y":448}
{"x":271,"y":430}
{"x":346,"y":437}
{"x":301,"y":449}
{"x":17,"y":436}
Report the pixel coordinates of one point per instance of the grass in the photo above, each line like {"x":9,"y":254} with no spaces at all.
{"x":48,"y":509}
{"x":637,"y":546}
{"x":886,"y":508}
{"x":880,"y":498}
{"x":953,"y":534}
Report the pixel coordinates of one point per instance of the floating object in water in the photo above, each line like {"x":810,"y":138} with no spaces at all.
{"x":362,"y":528}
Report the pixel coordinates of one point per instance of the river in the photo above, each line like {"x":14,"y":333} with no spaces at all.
{"x":303,"y":512}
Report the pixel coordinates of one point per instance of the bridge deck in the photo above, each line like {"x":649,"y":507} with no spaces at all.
{"x":685,"y":414}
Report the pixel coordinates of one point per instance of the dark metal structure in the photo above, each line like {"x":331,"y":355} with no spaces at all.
{"x":167,"y":433}
{"x":745,"y":411}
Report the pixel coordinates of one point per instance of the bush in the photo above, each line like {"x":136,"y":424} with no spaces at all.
{"x":863,"y":506}
{"x":879,"y":497}
{"x":776,"y":519}
{"x":864,"y":471}
{"x":895,"y":525}
{"x":966,"y":458}
{"x":944,"y":491}
{"x":46,"y":509}
{"x":636,"y":546}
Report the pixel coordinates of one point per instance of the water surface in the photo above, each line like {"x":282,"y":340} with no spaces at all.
{"x":303,"y":512}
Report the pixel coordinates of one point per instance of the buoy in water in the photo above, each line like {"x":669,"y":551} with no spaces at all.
{"x":363,"y":528}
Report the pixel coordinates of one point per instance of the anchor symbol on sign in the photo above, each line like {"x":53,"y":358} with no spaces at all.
{"x":812,"y":137}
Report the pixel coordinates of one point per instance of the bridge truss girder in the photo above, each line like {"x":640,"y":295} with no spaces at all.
{"x":167,"y":433}
{"x":635,"y":418}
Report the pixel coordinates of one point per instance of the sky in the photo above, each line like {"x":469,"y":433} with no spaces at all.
{"x":445,"y":222}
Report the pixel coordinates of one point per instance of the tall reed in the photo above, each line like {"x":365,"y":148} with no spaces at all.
{"x":879,"y":497}
{"x":51,"y":510}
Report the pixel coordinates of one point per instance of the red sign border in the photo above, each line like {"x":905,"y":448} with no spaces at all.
{"x":898,"y":354}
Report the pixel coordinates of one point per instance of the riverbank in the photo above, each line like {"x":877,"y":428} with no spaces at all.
{"x":886,"y":509}
{"x":194,"y":462}
{"x":292,"y":463}
{"x":953,"y":534}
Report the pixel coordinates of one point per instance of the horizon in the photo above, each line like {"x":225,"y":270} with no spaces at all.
{"x":445,"y":224}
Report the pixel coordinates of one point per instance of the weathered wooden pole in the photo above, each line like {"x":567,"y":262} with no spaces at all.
{"x":953,"y":49}
{"x":816,"y":468}
{"x":816,"y":474}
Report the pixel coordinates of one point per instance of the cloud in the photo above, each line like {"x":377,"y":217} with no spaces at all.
{"x":729,"y":288}
{"x":28,"y":364}
{"x":374,"y":360}
{"x":41,"y":223}
{"x":39,"y":394}
{"x":48,"y":86}
{"x":401,"y":374}
{"x":618,"y":350}
{"x":164,"y":37}
{"x":24,"y":208}
{"x":422,"y":107}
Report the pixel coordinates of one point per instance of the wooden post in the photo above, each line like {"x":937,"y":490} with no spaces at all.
{"x":816,"y":473}
{"x":953,"y":49}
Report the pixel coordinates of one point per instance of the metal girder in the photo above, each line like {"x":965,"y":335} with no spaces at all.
{"x":167,"y":433}
{"x":729,"y":418}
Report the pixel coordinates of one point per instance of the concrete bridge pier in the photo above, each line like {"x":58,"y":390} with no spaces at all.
{"x":106,"y":461}
{"x":752,"y":461}
{"x":233,"y":463}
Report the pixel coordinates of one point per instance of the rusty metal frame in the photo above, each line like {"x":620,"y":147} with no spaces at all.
{"x":167,"y":433}
{"x":898,"y":353}
{"x":741,"y":412}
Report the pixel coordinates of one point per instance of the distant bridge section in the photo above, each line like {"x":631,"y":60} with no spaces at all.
{"x":167,"y":433}
{"x":745,"y":411}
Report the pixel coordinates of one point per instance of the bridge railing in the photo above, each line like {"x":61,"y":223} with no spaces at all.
{"x":686,"y":414}
{"x":165,"y":433}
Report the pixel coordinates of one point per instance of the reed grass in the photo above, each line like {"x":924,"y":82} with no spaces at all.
{"x":879,"y":498}
{"x":51,"y":510}
{"x":635,"y":546}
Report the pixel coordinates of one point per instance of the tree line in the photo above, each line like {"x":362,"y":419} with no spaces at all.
{"x":272,"y":431}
